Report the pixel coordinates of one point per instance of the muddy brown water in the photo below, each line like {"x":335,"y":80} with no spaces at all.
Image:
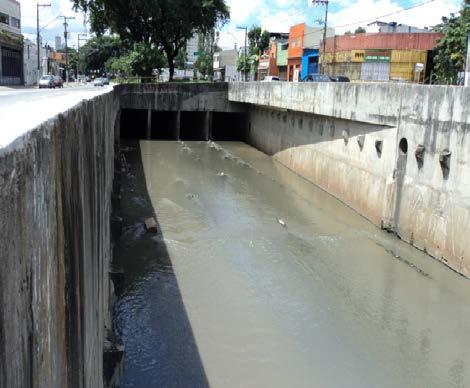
{"x":227,"y":296}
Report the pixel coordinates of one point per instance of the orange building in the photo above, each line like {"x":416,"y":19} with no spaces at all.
{"x":295,"y":52}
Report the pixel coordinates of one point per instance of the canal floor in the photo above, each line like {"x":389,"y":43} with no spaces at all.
{"x":260,"y":279}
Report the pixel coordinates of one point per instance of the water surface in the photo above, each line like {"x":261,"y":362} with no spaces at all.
{"x":226,"y":296}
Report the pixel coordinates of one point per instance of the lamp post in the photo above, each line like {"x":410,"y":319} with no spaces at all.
{"x":246,"y":59}
{"x":38,"y":6}
{"x":325,"y":25}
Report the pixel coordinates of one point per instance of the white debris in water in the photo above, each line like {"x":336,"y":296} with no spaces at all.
{"x":222,"y":174}
{"x":281,"y":222}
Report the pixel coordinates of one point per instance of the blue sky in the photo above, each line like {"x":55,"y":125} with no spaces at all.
{"x":273,"y":15}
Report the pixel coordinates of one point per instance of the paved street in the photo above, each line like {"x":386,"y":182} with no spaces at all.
{"x":24,"y":109}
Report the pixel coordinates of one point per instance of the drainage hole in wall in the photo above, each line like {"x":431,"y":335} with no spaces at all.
{"x":403,"y":146}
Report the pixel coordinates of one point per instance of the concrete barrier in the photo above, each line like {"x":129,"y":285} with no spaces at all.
{"x":398,"y":154}
{"x":55,"y":188}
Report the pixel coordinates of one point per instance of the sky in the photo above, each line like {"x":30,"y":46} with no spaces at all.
{"x":272,"y":15}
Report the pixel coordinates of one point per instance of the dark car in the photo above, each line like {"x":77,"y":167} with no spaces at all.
{"x":58,"y":82}
{"x":341,"y":78}
{"x":317,"y":78}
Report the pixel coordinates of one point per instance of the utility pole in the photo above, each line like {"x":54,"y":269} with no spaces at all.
{"x":38,"y":37}
{"x":325,"y":25}
{"x":246,"y":43}
{"x":78,"y":50}
{"x":66,"y":47}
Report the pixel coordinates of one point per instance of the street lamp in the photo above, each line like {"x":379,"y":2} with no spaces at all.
{"x":246,"y":59}
{"x":38,"y":6}
{"x":325,"y":26}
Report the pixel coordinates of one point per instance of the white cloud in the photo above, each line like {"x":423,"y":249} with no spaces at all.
{"x":49,"y":22}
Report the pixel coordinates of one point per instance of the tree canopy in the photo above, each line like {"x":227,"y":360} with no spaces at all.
{"x":450,"y":51}
{"x":98,"y":50}
{"x":258,"y":40}
{"x":360,"y":30}
{"x":163,"y":25}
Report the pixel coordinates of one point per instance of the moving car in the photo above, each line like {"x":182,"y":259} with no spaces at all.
{"x":317,"y":78}
{"x":47,"y":81}
{"x":58,"y":82}
{"x":98,"y":82}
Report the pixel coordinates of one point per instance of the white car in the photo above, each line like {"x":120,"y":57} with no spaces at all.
{"x":47,"y":81}
{"x":98,"y":82}
{"x":270,"y":78}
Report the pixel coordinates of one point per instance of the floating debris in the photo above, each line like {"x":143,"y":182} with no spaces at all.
{"x":222,"y":174}
{"x":282,"y":223}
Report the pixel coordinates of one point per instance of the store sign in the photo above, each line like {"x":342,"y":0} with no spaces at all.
{"x":377,"y":56}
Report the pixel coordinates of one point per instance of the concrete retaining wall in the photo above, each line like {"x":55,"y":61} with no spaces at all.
{"x":316,"y":130}
{"x":55,"y":187}
{"x":191,"y":97}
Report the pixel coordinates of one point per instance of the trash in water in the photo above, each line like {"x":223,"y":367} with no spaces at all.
{"x":222,"y":174}
{"x":281,"y":222}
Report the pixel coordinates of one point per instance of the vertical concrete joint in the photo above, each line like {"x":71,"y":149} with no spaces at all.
{"x":178,"y":125}
{"x":208,"y":126}
{"x":149,"y":124}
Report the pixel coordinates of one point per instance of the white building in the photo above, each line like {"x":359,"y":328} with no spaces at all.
{"x":30,"y":62}
{"x":192,"y":47}
{"x":225,"y":66}
{"x":58,"y":43}
{"x":11,"y":43}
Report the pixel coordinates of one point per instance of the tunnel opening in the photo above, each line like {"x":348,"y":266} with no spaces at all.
{"x":164,"y":125}
{"x":229,"y":126}
{"x":134,"y":123}
{"x":192,"y":126}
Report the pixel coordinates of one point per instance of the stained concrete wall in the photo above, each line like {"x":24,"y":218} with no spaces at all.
{"x":305,"y":127}
{"x":191,"y":97}
{"x":55,"y":188}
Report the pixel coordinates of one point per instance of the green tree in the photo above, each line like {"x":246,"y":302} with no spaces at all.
{"x":163,"y":25}
{"x":450,"y":51}
{"x":360,"y":30}
{"x":205,"y":60}
{"x":97,"y":51}
{"x":258,"y":40}
{"x":181,"y":59}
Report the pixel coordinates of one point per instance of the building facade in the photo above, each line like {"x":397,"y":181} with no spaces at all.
{"x":225,"y":66}
{"x":30,"y":62}
{"x":11,"y":43}
{"x":303,"y":37}
{"x":398,"y":56}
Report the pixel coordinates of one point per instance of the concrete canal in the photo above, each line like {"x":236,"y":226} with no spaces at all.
{"x":257,"y":278}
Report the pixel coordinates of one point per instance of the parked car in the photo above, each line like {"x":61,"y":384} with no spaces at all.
{"x":58,"y":82}
{"x":317,"y":78}
{"x":340,"y":78}
{"x":46,"y":81}
{"x":270,"y":78}
{"x":105,"y":80}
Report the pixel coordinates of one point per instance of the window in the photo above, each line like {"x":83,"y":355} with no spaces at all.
{"x":15,"y":22}
{"x":4,"y":18}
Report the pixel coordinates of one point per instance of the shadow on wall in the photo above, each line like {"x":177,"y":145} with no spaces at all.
{"x":160,"y":349}
{"x":281,"y":130}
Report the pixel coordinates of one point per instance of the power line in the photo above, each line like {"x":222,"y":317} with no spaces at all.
{"x":388,"y":14}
